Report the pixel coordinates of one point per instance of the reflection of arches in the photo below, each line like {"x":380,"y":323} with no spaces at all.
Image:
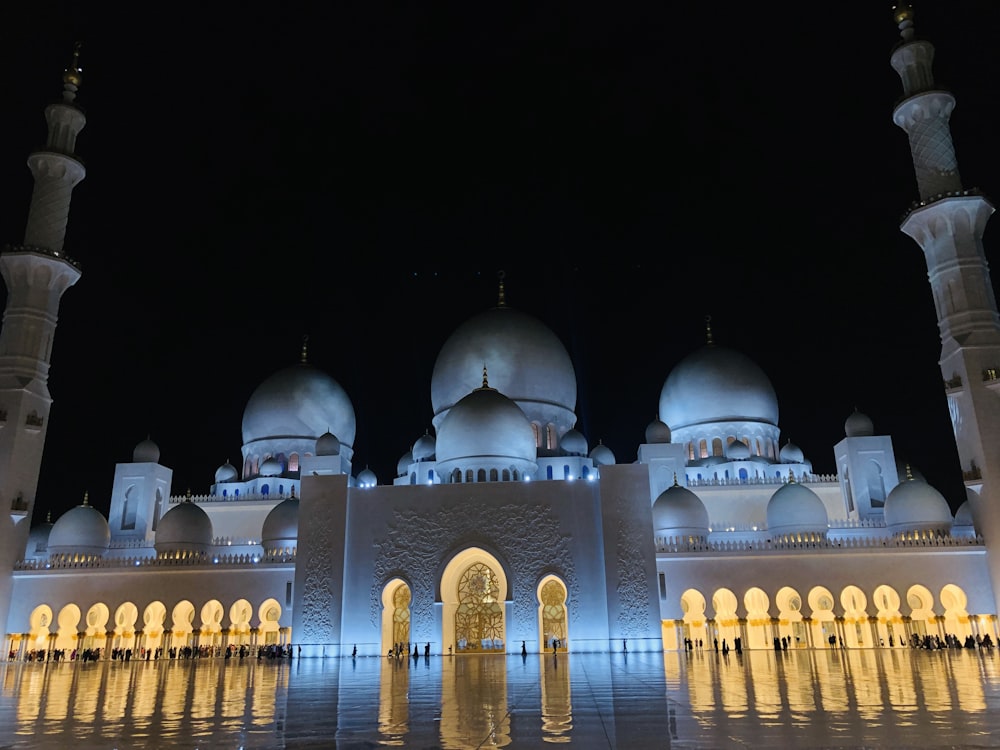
{"x":473,"y":594}
{"x":396,"y":598}
{"x":553,"y":616}
{"x":269,"y":613}
{"x":956,"y":617}
{"x":790,"y":624}
{"x":727,"y":622}
{"x":239,"y":622}
{"x":855,"y":605}
{"x":693,"y":606}
{"x":757,"y":604}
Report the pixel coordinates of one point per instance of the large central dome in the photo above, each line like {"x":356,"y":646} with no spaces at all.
{"x":527,"y":363}
{"x":300,"y":401}
{"x":716,"y":384}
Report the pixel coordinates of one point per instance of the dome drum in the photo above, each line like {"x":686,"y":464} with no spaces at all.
{"x":761,"y":438}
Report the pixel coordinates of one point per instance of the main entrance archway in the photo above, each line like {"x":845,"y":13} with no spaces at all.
{"x":474,"y":599}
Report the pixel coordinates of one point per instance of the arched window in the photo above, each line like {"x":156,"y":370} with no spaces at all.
{"x":703,"y":449}
{"x":717,"y":447}
{"x":265,"y":489}
{"x":494,"y":476}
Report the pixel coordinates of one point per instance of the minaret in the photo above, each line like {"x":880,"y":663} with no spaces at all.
{"x":948,"y":223}
{"x":36,"y":274}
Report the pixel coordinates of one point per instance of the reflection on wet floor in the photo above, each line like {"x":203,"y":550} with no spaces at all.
{"x":856,"y":698}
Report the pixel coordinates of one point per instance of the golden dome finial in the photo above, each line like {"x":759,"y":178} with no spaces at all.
{"x":708,"y":329}
{"x":304,"y":356}
{"x":73,"y":75}
{"x":48,"y":517}
{"x":791,"y":476}
{"x":675,"y":480}
{"x":902,"y":14}
{"x":486,"y":382}
{"x":909,"y":473}
{"x":501,"y":295}
{"x":86,"y":498}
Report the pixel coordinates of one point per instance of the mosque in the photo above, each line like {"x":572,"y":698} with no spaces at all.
{"x":505,"y":529}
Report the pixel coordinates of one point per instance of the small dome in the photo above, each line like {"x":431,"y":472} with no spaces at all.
{"x":424,"y":448}
{"x":184,"y":528}
{"x":602,"y":455}
{"x":657,"y":432}
{"x":573,"y":443}
{"x":367,"y":478}
{"x":963,"y":516}
{"x":791,"y":454}
{"x":913,"y":505}
{"x":858,"y":425}
{"x":738,"y":450}
{"x":678,"y":512}
{"x":226,"y":473}
{"x":327,"y":444}
{"x":403,"y":465}
{"x":281,"y":527}
{"x":82,"y":530}
{"x":964,"y":524}
{"x":146,"y":452}
{"x":271,"y":467}
{"x":796,"y":509}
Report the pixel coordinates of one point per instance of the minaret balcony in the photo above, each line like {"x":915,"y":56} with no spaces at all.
{"x":954,"y":385}
{"x":61,"y":255}
{"x":917,"y":205}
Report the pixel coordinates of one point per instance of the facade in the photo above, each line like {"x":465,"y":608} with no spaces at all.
{"x":505,"y":528}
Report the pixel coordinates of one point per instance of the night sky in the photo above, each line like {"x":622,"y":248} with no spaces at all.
{"x":361,"y":173}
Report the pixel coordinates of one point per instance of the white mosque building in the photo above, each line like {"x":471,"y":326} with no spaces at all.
{"x":505,"y":526}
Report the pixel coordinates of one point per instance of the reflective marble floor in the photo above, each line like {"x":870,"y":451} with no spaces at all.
{"x":820,"y":699}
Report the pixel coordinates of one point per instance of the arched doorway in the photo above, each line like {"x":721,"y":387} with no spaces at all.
{"x":553,"y":616}
{"x":474,"y":598}
{"x":396,"y":598}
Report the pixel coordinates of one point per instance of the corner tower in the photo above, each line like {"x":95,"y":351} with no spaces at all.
{"x":36,"y":274}
{"x":948,"y":223}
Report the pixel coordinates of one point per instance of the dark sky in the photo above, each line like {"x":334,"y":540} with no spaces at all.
{"x":361,"y":173}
